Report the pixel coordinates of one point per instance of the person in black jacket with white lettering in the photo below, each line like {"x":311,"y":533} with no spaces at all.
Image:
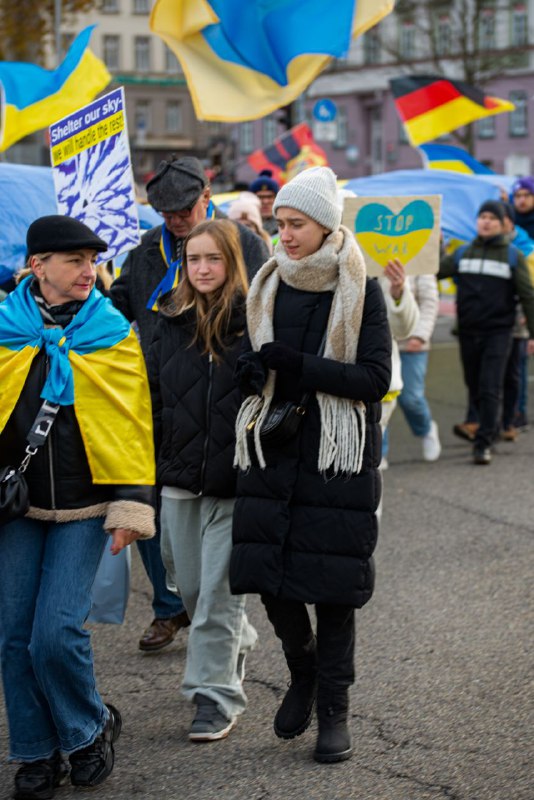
{"x":195,"y":402}
{"x":305,"y":523}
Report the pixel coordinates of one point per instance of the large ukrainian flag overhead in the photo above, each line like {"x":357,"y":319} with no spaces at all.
{"x":33,"y":97}
{"x":242,"y":60}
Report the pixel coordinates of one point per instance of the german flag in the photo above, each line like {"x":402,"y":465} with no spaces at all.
{"x":289,"y":154}
{"x":431,"y":106}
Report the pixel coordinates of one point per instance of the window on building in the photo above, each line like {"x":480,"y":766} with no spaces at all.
{"x":111,"y":51}
{"x":518,"y":119}
{"x":407,"y":40}
{"x":371,"y":47}
{"x":173,"y":116}
{"x":486,"y":29}
{"x":270,"y":130}
{"x":443,"y":35}
{"x":486,"y":128}
{"x":342,"y":131}
{"x":519,"y":26}
{"x":141,"y":6}
{"x":110,"y":6}
{"x":143,"y":117}
{"x":172,"y":65}
{"x":142,"y":53}
{"x":246,"y":137}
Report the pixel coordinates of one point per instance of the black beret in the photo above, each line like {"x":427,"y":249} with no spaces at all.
{"x":492,"y":207}
{"x":177,"y":184}
{"x":58,"y":234}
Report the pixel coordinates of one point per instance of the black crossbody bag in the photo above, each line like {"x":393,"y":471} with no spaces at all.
{"x":284,"y":417}
{"x":14,"y":494}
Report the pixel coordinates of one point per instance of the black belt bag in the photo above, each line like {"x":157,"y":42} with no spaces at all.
{"x":14,"y":494}
{"x":284,"y":417}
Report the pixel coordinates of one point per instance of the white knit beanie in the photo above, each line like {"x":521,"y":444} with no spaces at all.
{"x":314,"y":192}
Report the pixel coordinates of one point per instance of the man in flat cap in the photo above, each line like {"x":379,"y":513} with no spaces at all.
{"x":181,"y":193}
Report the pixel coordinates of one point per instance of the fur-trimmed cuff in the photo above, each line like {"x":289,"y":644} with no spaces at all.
{"x":134,"y":516}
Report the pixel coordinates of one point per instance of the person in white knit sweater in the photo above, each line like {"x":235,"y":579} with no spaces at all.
{"x":414,"y":362}
{"x":403,"y":317}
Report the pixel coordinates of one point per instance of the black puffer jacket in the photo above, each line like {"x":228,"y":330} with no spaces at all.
{"x":145,"y":268}
{"x":58,"y":476}
{"x":296,"y":535}
{"x":195,"y":403}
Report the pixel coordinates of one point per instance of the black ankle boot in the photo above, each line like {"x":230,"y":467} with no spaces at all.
{"x":333,"y":741}
{"x":36,"y":780}
{"x":296,"y":710}
{"x":94,"y":763}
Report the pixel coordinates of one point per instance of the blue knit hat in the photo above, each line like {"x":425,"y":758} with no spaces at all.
{"x":264,"y":183}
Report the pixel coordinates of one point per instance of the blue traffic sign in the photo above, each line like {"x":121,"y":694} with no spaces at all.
{"x":325,"y":110}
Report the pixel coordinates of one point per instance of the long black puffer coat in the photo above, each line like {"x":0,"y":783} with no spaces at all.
{"x":297,"y":535}
{"x":195,"y":403}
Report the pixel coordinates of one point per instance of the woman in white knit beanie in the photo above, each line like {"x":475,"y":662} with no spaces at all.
{"x":304,"y":521}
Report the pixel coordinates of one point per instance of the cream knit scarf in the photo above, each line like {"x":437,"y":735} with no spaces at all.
{"x":338,"y":267}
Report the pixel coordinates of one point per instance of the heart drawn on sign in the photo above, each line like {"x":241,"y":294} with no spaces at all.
{"x":385,"y":235}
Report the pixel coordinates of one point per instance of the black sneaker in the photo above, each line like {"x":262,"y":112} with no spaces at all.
{"x":36,"y":780}
{"x":94,"y":763}
{"x":482,"y":455}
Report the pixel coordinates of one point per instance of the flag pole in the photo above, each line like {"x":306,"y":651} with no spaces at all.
{"x":57,"y":30}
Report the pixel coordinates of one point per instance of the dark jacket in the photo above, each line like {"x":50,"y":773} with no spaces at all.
{"x":526,"y":221}
{"x":488,"y":287}
{"x":297,"y":535}
{"x":58,"y":475}
{"x":195,"y":403}
{"x":144,"y":268}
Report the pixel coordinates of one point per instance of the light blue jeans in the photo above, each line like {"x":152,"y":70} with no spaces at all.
{"x":196,"y":542}
{"x":46,"y":574}
{"x":412,"y":399}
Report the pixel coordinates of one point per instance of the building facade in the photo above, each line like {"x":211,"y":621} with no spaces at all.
{"x":369,"y":138}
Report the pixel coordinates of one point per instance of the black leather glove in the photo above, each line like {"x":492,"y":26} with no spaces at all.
{"x":277,"y":355}
{"x":250,"y":373}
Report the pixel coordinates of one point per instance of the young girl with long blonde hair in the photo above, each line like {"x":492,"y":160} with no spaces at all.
{"x":195,"y":402}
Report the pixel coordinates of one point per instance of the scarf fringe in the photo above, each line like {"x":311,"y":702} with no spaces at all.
{"x":342,"y":441}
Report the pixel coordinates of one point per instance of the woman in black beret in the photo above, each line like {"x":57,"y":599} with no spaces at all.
{"x":74,"y":387}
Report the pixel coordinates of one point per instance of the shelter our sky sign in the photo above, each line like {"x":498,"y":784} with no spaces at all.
{"x":92,"y":171}
{"x":407,"y":228}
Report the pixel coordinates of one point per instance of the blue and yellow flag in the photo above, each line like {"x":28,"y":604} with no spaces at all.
{"x":243,"y":60}
{"x":95,"y":364}
{"x":454,"y":159}
{"x":33,"y":97}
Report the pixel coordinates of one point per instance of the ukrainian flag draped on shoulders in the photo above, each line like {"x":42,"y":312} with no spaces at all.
{"x":243,"y":60}
{"x":95,"y":364}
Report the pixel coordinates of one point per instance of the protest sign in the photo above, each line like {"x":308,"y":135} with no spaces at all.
{"x":407,"y":228}
{"x":92,"y":171}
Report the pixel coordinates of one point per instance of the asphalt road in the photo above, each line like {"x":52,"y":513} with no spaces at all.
{"x":442,"y":705}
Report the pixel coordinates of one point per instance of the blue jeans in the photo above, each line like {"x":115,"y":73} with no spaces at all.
{"x":412,"y":399}
{"x":164,"y":603}
{"x":46,"y":573}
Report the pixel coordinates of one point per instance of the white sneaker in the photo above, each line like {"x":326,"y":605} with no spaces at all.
{"x":384,"y":464}
{"x":431,"y":443}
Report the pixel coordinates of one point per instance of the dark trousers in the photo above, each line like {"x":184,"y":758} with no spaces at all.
{"x":512,"y":382}
{"x":335,"y":637}
{"x":484,"y":359}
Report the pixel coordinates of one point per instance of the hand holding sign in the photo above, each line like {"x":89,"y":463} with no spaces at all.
{"x":388,"y":228}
